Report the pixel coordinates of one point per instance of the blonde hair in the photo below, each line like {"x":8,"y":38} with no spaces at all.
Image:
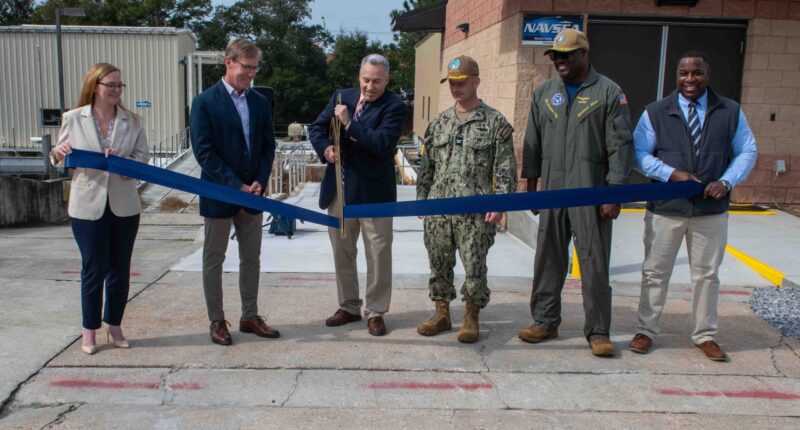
{"x":90,"y":81}
{"x":242,"y":48}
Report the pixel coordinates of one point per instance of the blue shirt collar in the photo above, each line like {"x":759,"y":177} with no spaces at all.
{"x":701,"y":102}
{"x":232,"y":91}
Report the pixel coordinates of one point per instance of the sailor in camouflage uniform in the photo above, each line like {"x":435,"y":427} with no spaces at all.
{"x":468,"y":152}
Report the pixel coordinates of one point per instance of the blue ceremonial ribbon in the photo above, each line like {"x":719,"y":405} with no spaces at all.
{"x":449,"y":206}
{"x":154,"y":175}
{"x":524,"y":201}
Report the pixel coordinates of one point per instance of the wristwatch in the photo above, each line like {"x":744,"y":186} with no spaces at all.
{"x":727,"y":185}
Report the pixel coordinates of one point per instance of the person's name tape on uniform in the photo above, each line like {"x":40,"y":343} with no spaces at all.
{"x":447,"y":206}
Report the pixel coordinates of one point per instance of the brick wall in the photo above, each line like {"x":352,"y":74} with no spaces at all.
{"x":771,"y":81}
{"x":771,"y":85}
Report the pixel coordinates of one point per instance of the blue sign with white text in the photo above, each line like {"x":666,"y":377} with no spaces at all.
{"x":542,"y":29}
{"x":143,"y":104}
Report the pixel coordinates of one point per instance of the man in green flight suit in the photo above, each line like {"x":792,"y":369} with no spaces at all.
{"x":578,"y":136}
{"x":468,"y":152}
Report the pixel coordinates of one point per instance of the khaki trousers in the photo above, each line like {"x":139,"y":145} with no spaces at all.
{"x":248,"y":235}
{"x":706,"y":237}
{"x":377,"y":233}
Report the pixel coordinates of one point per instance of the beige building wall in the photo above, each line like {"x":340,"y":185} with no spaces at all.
{"x":771,"y":85}
{"x":148,"y":58}
{"x":428,"y":53}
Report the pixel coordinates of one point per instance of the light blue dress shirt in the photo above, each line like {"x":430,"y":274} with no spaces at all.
{"x":744,"y":146}
{"x":240,"y":101}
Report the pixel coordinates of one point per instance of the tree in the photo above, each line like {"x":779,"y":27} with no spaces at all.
{"x":132,"y":13}
{"x":401,"y":52}
{"x":349,"y":49}
{"x":15,"y":12}
{"x":294,"y":62}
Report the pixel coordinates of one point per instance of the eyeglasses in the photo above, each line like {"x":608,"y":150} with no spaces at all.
{"x":112,"y":85}
{"x":248,"y":68}
{"x":560,"y":55}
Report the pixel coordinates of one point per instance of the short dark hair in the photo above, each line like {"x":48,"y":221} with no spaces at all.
{"x":696,"y":54}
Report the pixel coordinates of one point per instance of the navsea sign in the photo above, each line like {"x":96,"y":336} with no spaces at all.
{"x":542,"y":29}
{"x":143,"y":104}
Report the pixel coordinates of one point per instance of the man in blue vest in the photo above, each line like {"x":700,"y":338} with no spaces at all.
{"x":691,"y":135}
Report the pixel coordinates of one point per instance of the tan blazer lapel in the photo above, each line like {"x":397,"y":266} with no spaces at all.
{"x":89,"y":131}
{"x":120,"y":129}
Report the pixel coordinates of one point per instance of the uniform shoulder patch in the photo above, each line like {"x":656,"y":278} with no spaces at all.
{"x":622,"y":99}
{"x":506,"y":131}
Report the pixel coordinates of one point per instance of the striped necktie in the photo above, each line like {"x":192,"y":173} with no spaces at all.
{"x":694,"y":128}
{"x":364,"y":103}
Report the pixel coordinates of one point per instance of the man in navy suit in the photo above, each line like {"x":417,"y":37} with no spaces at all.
{"x":234,"y":142}
{"x":372,"y":120}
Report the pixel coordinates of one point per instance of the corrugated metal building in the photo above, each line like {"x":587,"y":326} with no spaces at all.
{"x":152,"y":61}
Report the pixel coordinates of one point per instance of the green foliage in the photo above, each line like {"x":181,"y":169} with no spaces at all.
{"x":15,"y":12}
{"x":345,"y":62}
{"x":295,"y":63}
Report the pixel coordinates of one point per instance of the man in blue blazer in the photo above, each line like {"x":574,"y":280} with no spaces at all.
{"x":233,"y":140}
{"x":372,"y":120}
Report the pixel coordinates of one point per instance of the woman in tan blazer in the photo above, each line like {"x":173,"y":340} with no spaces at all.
{"x":104,"y":207}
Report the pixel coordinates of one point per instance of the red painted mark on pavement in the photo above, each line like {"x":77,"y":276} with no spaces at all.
{"x":306,"y":278}
{"x":430,"y":386}
{"x":572,"y":284}
{"x":724,"y":292}
{"x":87,"y":383}
{"x":78,"y":272}
{"x":751,"y":394}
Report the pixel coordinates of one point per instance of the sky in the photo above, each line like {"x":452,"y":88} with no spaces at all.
{"x":368,"y":16}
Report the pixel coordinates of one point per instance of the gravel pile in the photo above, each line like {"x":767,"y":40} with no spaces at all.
{"x":779,"y":306}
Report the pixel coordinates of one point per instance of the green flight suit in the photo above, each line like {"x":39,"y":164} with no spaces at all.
{"x":586,"y":143}
{"x":474,"y":157}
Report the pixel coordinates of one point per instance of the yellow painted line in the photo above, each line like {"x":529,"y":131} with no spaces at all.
{"x":770,"y":273}
{"x":576,"y":268}
{"x":767,"y":212}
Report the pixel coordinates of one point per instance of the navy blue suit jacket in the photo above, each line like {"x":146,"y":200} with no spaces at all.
{"x":220,"y":147}
{"x":368,"y":149}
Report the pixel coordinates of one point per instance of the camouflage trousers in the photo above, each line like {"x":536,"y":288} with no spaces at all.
{"x":472,"y":237}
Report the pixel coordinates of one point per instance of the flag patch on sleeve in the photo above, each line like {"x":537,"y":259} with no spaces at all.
{"x":622,"y":99}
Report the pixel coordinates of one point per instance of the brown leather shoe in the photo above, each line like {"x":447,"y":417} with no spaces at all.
{"x":602,"y":347}
{"x":536,"y":333}
{"x":376,"y":326}
{"x":219,"y":332}
{"x":712,"y":350}
{"x":341,"y":317}
{"x":640,"y":344}
{"x":258,"y":326}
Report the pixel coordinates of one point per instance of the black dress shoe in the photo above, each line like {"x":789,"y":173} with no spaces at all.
{"x":341,"y":318}
{"x":376,"y":326}
{"x":219,"y":332}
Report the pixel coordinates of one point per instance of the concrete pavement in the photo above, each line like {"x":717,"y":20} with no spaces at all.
{"x":320,"y":377}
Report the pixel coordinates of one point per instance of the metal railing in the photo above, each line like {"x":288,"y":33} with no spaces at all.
{"x":289,"y":169}
{"x":167,"y":145}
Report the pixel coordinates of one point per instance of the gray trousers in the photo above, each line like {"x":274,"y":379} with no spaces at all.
{"x":593,"y":246}
{"x":377,"y":233}
{"x":248,"y":236}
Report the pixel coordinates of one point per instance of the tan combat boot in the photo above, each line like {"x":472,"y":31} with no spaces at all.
{"x":439,"y":322}
{"x":469,"y":328}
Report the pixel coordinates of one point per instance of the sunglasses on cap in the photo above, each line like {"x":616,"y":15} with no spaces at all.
{"x":560,"y":55}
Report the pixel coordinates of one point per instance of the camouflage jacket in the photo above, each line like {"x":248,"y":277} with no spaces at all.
{"x":475,"y":157}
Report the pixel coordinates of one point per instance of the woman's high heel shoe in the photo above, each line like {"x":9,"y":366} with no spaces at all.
{"x":118,"y":343}
{"x":88,"y":349}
